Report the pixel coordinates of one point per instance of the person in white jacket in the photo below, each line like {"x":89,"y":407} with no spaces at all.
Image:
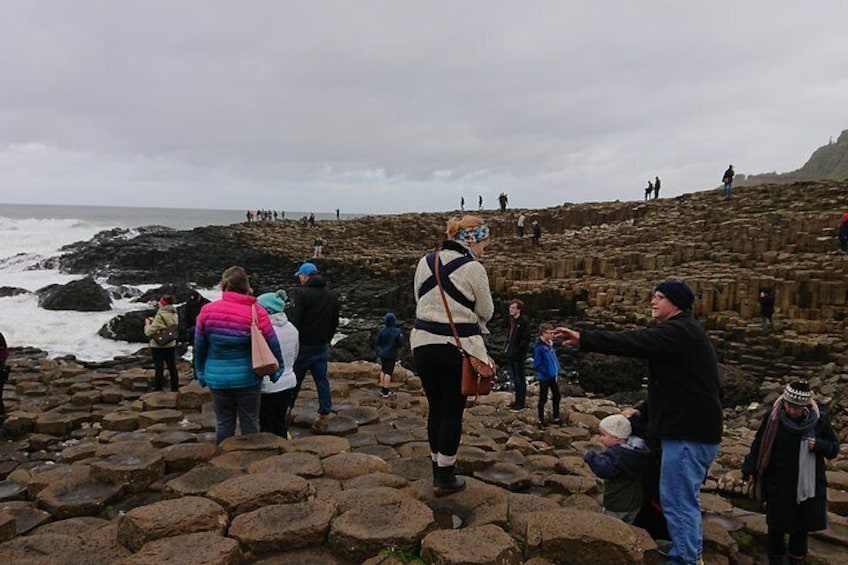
{"x":276,"y":397}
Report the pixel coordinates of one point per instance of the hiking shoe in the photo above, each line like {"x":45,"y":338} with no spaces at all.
{"x":556,"y":422}
{"x":540,"y":424}
{"x":385,"y":394}
{"x":518,"y":409}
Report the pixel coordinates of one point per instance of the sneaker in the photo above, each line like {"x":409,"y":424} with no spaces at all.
{"x":385,"y":394}
{"x":556,"y":422}
{"x":518,"y":409}
{"x":540,"y":424}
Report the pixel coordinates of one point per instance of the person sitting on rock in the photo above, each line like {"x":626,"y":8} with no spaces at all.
{"x":547,"y":369}
{"x":620,"y":465}
{"x":786,"y":465}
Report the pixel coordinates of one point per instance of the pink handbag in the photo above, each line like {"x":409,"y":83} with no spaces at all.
{"x":264,"y":362}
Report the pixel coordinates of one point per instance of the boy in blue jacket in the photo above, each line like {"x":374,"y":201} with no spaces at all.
{"x":389,"y":342}
{"x":620,"y":465}
{"x":547,"y":368}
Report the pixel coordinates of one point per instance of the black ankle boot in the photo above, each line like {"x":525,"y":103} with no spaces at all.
{"x":447,"y":482}
{"x":435,"y":472}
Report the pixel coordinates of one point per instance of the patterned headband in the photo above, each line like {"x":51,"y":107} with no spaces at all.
{"x":473,"y":235}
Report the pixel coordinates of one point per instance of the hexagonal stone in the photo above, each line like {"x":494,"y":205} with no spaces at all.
{"x":46,"y":549}
{"x":307,"y":465}
{"x":521,"y":506}
{"x":204,"y":548}
{"x":506,"y":475}
{"x":240,"y":460}
{"x":471,"y":459}
{"x":199,"y":480}
{"x":11,"y":490}
{"x":335,"y":425}
{"x":322,"y":446}
{"x":348,"y":465}
{"x":161,"y":416}
{"x":376,"y":480}
{"x":570,"y":484}
{"x":290,"y":526}
{"x":483,"y":545}
{"x":255,"y":442}
{"x":59,"y":423}
{"x":375,"y":518}
{"x":309,"y":556}
{"x":46,"y":475}
{"x":79,"y":452}
{"x":185,"y":456}
{"x":134,"y":471}
{"x":246,"y":493}
{"x":8,"y":526}
{"x":384,"y":452}
{"x":67,"y":498}
{"x":120,"y":421}
{"x":193,"y":397}
{"x":587,"y":537}
{"x":174,"y":438}
{"x":27,"y":516}
{"x":394,"y":437}
{"x":186,"y":515}
{"x":72,"y":526}
{"x":362,"y":415}
{"x":158,"y":400}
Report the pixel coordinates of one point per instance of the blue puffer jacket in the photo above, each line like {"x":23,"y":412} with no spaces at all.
{"x":545,"y":361}
{"x":222,"y":352}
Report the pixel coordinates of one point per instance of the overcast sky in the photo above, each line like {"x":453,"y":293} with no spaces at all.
{"x":397,"y":106}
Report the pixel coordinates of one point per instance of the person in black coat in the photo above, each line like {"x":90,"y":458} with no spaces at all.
{"x":766,"y":300}
{"x":518,"y":341}
{"x":683,"y":408}
{"x":786,"y":465}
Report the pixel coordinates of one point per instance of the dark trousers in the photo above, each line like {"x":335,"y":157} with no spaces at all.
{"x":440,"y":369}
{"x":273,"y":409}
{"x":161,"y":357}
{"x":516,"y":372}
{"x":235,"y":404}
{"x":775,"y":545}
{"x":544,"y":387}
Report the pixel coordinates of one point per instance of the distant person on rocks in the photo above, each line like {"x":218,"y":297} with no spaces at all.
{"x":502,"y":200}
{"x":786,"y":466}
{"x":166,"y":316}
{"x":276,"y":396}
{"x":438,"y":362}
{"x":843,"y":234}
{"x":620,"y":465}
{"x":522,"y":219}
{"x":462,"y":203}
{"x":480,"y":202}
{"x":727,"y":179}
{"x":546,"y":363}
{"x":389,"y":341}
{"x":683,"y":406}
{"x":766,"y":300}
{"x":222,"y":355}
{"x":537,"y":233}
{"x":338,"y":214}
{"x":656,"y":188}
{"x":317,"y":246}
{"x":249,"y":216}
{"x":4,"y":373}
{"x":193,"y":304}
{"x":311,"y":220}
{"x":315,"y":314}
{"x":515,"y":353}
{"x":648,"y":190}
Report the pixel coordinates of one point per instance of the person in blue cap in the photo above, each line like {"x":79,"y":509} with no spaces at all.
{"x":683,"y":408}
{"x":315,"y":314}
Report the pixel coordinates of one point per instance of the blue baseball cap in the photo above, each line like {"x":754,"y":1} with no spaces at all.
{"x":306,"y":269}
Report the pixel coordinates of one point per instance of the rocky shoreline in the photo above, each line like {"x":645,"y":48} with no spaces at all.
{"x":95,"y":469}
{"x":98,"y":470}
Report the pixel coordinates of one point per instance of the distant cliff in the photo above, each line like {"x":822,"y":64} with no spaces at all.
{"x":828,"y":162}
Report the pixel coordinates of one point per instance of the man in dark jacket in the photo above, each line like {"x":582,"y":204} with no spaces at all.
{"x":315,"y":314}
{"x":518,"y":340}
{"x":683,"y":406}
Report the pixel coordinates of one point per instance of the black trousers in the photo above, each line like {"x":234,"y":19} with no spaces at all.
{"x":544,"y":387}
{"x":775,"y":544}
{"x":165,"y":356}
{"x":440,"y":369}
{"x":273,"y":410}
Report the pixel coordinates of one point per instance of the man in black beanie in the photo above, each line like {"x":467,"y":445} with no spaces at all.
{"x":683,"y":409}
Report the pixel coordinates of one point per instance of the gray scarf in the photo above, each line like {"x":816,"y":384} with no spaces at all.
{"x":806,"y":458}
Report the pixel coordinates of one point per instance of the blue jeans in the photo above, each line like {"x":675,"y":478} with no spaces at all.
{"x":516,"y":371}
{"x":684,"y":468}
{"x":314,"y":358}
{"x":232,"y":403}
{"x":727,"y":188}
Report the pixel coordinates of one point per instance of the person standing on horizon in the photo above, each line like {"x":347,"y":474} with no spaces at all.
{"x":315,"y":314}
{"x":656,"y":188}
{"x":537,"y":233}
{"x":462,"y":203}
{"x":649,"y":190}
{"x":517,"y":344}
{"x":480,"y":202}
{"x":338,"y":214}
{"x":727,"y":179}
{"x":683,"y":407}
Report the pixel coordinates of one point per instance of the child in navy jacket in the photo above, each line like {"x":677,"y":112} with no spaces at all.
{"x":389,"y":341}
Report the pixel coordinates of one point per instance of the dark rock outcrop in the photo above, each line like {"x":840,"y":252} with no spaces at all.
{"x":84,"y":295}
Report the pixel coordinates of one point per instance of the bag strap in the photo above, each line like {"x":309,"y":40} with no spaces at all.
{"x":437,"y":269}
{"x":255,"y":316}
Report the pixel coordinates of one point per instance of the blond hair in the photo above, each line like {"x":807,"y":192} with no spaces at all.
{"x":467,"y":221}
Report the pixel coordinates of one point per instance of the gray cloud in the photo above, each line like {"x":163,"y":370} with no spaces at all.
{"x":396,"y":106}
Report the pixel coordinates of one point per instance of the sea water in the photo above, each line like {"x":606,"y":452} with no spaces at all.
{"x":31,"y":233}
